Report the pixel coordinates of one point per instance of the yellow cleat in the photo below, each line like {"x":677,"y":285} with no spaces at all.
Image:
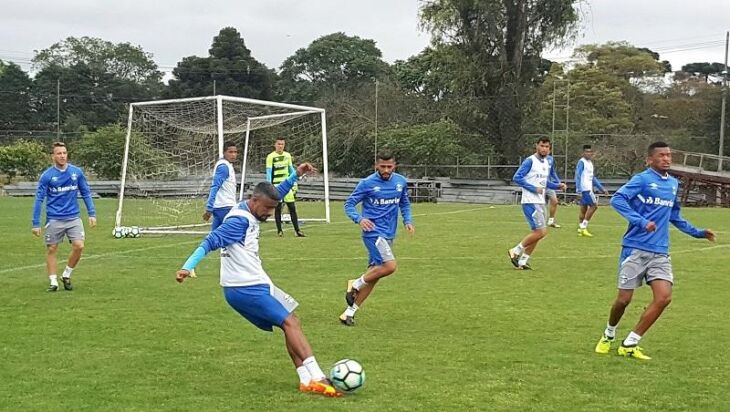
{"x":632,"y":352}
{"x":584,"y":232}
{"x":322,"y":387}
{"x":604,"y":345}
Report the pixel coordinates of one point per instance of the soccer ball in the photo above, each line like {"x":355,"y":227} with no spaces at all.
{"x":119,"y":232}
{"x":347,"y":375}
{"x":134,"y":232}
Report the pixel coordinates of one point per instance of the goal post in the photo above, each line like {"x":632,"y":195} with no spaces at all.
{"x":172,"y":146}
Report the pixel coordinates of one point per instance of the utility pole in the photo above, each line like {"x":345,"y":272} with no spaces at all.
{"x":722,"y":109}
{"x":214,"y":87}
{"x":376,"y":121}
{"x":58,"y":110}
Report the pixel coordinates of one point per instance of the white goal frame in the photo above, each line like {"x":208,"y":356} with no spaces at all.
{"x":297,"y":110}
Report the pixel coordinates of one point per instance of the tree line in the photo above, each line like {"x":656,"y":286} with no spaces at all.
{"x":481,"y":89}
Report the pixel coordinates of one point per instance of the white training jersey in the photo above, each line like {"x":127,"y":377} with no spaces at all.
{"x":240,"y":262}
{"x":226,"y":196}
{"x":536,"y":176}
{"x":586,"y":177}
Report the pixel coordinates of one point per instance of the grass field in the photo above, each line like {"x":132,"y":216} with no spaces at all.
{"x":456,"y":328}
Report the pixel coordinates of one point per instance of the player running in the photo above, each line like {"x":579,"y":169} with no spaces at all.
{"x":649,"y":202}
{"x":585,"y":182}
{"x":382,"y":194}
{"x":534,"y":177}
{"x":246,"y":286}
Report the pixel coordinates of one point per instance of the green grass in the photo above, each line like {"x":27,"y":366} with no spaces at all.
{"x":456,"y":328}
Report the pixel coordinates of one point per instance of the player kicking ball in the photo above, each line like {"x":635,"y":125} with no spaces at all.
{"x":649,"y":202}
{"x":246,"y":286}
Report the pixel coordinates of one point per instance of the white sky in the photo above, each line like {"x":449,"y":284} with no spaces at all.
{"x":680,"y":31}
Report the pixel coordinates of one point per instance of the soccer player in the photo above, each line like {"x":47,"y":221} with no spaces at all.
{"x":551,"y":194}
{"x":59,"y":186}
{"x":246,"y":286}
{"x":222,"y":195}
{"x":585,"y":181}
{"x":382,"y":194}
{"x":278,"y":167}
{"x":534,"y":177}
{"x":649,"y":202}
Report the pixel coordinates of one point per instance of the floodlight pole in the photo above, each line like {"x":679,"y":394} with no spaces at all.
{"x":721,"y":151}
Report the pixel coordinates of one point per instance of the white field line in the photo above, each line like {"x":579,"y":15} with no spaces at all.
{"x":192,"y":242}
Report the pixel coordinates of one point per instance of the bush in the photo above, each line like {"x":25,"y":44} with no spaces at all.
{"x":23,"y":158}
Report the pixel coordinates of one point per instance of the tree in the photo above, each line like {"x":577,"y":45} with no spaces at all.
{"x":122,"y":61}
{"x":334,"y":62}
{"x":496,"y":46}
{"x":15,"y":101}
{"x":704,"y":69}
{"x":23,"y":158}
{"x":622,"y":59}
{"x":230,"y":64}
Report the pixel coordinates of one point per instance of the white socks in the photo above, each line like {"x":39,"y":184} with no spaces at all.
{"x":610,"y":331}
{"x":359,"y":282}
{"x":517,"y":250}
{"x":304,"y":376}
{"x":632,"y":340}
{"x":551,"y":220}
{"x":523,"y":259}
{"x":313,"y":368}
{"x":54,"y":280}
{"x":350,"y":311}
{"x":583,"y":224}
{"x":67,"y":272}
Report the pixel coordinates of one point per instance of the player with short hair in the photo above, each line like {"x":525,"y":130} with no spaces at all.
{"x":59,"y":186}
{"x":246,"y":286}
{"x":585,"y":182}
{"x":279,"y":166}
{"x":222,"y":197}
{"x":551,"y":194}
{"x":534,"y":177}
{"x":382,"y":195}
{"x":650,"y":203}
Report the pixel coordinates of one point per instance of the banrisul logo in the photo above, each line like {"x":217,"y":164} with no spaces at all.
{"x":659,"y":201}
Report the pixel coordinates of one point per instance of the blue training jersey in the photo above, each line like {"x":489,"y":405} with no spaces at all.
{"x":60,"y":189}
{"x":651,"y":197}
{"x":380,"y":200}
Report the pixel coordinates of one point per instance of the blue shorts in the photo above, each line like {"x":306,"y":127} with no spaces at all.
{"x":587,"y":198}
{"x":218,"y":215}
{"x":379,"y":250}
{"x":265,"y":306}
{"x":535,"y":215}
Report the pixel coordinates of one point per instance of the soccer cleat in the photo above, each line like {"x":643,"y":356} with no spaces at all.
{"x":67,"y":283}
{"x":351,"y":293}
{"x":280,"y":233}
{"x":52,"y":288}
{"x":632,"y":352}
{"x":514,"y":258}
{"x":347,"y":320}
{"x":526,"y":266}
{"x":555,"y":225}
{"x":604,"y":345}
{"x":323,"y":387}
{"x":584,"y":232}
{"x":300,"y":234}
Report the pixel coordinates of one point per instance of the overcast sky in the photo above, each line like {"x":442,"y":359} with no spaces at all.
{"x":681,"y":31}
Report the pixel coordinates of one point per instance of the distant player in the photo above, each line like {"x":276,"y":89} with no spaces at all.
{"x":534,"y":177}
{"x":585,"y":183}
{"x":649,"y":202}
{"x":59,"y":186}
{"x":382,"y":195}
{"x":551,"y":194}
{"x":246,"y":286}
{"x":222,"y":195}
{"x":278,"y":167}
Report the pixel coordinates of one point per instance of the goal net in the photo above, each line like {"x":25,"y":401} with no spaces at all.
{"x":172,"y":146}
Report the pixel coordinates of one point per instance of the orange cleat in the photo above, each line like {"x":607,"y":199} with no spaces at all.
{"x":323,"y":387}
